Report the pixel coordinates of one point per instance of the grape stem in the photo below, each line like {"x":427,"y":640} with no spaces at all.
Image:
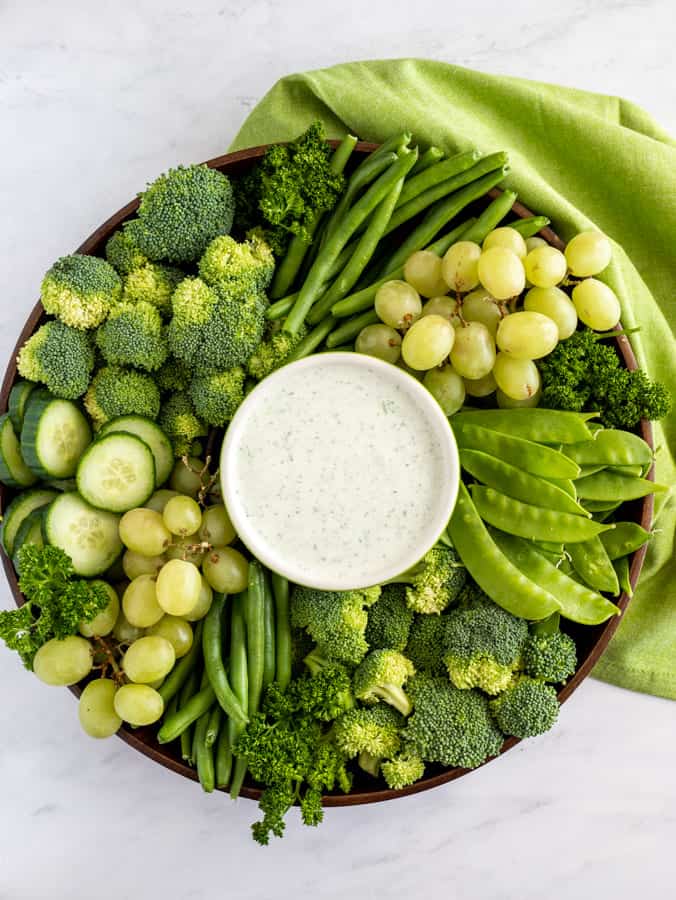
{"x":206,"y":483}
{"x":104,"y":647}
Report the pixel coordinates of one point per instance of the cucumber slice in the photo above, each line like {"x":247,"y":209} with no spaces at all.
{"x":30,"y":532}
{"x":13,"y":469}
{"x":18,"y":399}
{"x":151,"y":433}
{"x":18,"y":510}
{"x":89,"y":536}
{"x":62,"y":484}
{"x":54,"y":436}
{"x":117,"y":472}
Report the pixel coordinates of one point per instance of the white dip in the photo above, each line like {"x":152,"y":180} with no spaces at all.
{"x":339,"y":471}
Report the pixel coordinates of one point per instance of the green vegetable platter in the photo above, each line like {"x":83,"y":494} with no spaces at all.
{"x":131,"y":583}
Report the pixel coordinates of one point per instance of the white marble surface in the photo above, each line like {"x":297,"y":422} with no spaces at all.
{"x":95,"y":100}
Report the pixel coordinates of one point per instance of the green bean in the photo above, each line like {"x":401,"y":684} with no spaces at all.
{"x":312,"y":340}
{"x":281,"y":307}
{"x":440,"y":215}
{"x":240,"y":682}
{"x":316,"y":277}
{"x":547,"y":426}
{"x":178,"y":676}
{"x":214,"y":724}
{"x":431,"y":156}
{"x":513,"y":481}
{"x":223,"y":758}
{"x":531,"y":457}
{"x":365,"y":173}
{"x":621,"y":567}
{"x":280,"y":588}
{"x":287,"y":269}
{"x":531,"y":521}
{"x":491,"y":569}
{"x":361,"y":258}
{"x":593,"y":565}
{"x":491,"y":217}
{"x":212,"y":643}
{"x":624,"y":539}
{"x":269,"y":645}
{"x":610,"y":486}
{"x":174,"y":725}
{"x":612,"y":447}
{"x":550,"y":625}
{"x":254,"y":619}
{"x":439,"y":181}
{"x":577,"y":602}
{"x":187,"y":691}
{"x":364,"y":299}
{"x":529,"y":226}
{"x":204,"y":756}
{"x":349,"y":330}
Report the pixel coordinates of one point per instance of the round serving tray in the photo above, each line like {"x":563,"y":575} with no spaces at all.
{"x":591,"y":641}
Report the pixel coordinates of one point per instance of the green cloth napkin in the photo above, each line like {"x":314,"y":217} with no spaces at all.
{"x":584,"y":160}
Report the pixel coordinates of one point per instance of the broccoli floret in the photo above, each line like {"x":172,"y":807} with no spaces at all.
{"x":374,"y":730}
{"x":272,"y":353}
{"x":550,"y":657}
{"x":336,"y":620}
{"x":217,"y":395}
{"x":133,"y":335}
{"x":403,"y":770}
{"x":435,"y":582}
{"x":80,"y":290}
{"x":425,"y":647}
{"x":301,"y":646}
{"x":60,"y":357}
{"x":483,"y":644}
{"x":212,"y":329}
{"x":123,"y":254}
{"x":172,"y":376}
{"x":243,"y":268}
{"x":180,"y":212}
{"x":527,"y":708}
{"x":152,"y":283}
{"x":389,"y":619}
{"x":115,"y":391}
{"x":382,"y":676}
{"x":449,"y":726}
{"x":179,"y":422}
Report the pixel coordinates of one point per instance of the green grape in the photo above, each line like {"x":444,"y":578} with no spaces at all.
{"x":143,"y":530}
{"x":135,"y":564}
{"x":596,"y":304}
{"x":139,"y":602}
{"x":480,"y":387}
{"x":398,"y":304}
{"x":148,"y":659}
{"x":473,"y":353}
{"x":63,"y":662}
{"x":96,"y":709}
{"x":104,"y":621}
{"x":422,"y":271}
{"x":545,"y":266}
{"x":188,"y":549}
{"x":380,"y":341}
{"x":506,"y":237}
{"x":182,"y":516}
{"x":505,"y":402}
{"x":203,"y":605}
{"x":124,"y":631}
{"x":480,"y":306}
{"x":414,"y":373}
{"x":527,"y":335}
{"x":138,"y":704}
{"x":535,"y":241}
{"x":216,"y":528}
{"x":226,"y":570}
{"x":447,"y":388}
{"x":177,"y":631}
{"x":460,"y":266}
{"x":428,"y":342}
{"x":588,"y":253}
{"x":501,"y":272}
{"x":160,"y":499}
{"x":185,"y":479}
{"x":517,"y":378}
{"x":447,"y":307}
{"x":178,"y":587}
{"x":557,"y":305}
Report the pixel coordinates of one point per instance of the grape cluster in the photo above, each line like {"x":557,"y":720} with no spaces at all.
{"x":476,"y":320}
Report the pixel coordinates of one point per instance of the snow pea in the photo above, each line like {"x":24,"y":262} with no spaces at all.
{"x":529,"y":521}
{"x":514,"y":482}
{"x":529,"y":456}
{"x":612,"y":447}
{"x":491,"y":569}
{"x":564,"y":484}
{"x":589,"y":470}
{"x":577,"y":602}
{"x":610,"y":486}
{"x":632,"y":471}
{"x":622,"y":568}
{"x":607,"y":506}
{"x":547,"y":426}
{"x":624,"y":539}
{"x":592,"y":563}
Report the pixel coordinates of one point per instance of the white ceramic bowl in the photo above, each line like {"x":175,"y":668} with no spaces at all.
{"x":339,"y":471}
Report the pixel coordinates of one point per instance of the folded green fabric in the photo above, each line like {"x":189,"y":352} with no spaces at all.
{"x":584,"y":160}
